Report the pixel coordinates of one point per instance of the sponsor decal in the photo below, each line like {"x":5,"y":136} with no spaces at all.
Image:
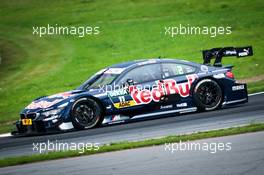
{"x":181,"y":105}
{"x":220,"y":70}
{"x":147,"y":62}
{"x":230,"y":52}
{"x":204,"y":68}
{"x":244,"y":53}
{"x":124,"y":104}
{"x":119,"y":92}
{"x":180,"y":69}
{"x":239,"y":87}
{"x":166,"y":107}
{"x":49,"y":101}
{"x":166,"y":87}
{"x":42,"y":104}
{"x":134,"y":95}
{"x":218,"y":76}
{"x":109,"y":107}
{"x":116,"y":117}
{"x":186,"y":61}
{"x":114,"y":70}
{"x":63,"y":95}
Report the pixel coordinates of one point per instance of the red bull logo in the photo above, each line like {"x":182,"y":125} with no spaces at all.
{"x":166,"y":87}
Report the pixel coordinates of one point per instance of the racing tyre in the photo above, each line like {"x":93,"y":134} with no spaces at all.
{"x":86,"y":113}
{"x":207,"y":95}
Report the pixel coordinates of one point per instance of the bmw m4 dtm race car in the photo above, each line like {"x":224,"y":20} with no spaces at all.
{"x":139,"y":89}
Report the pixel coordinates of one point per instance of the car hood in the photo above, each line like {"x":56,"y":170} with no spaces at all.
{"x":49,"y":101}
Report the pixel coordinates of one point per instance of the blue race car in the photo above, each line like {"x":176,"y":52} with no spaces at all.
{"x":139,"y":89}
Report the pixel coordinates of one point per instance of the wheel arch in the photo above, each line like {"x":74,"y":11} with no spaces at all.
{"x":99,"y":102}
{"x":218,"y":81}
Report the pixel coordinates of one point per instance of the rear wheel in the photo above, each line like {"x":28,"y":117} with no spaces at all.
{"x":86,"y":113}
{"x":207,"y":95}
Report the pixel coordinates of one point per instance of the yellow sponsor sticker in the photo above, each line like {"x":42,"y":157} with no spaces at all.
{"x":125,"y":104}
{"x":27,"y":121}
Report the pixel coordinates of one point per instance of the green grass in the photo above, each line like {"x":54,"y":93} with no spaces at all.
{"x":32,"y":66}
{"x":256,"y":86}
{"x":11,"y":161}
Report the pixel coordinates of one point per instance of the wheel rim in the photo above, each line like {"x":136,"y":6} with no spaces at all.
{"x":209,"y":94}
{"x":85,"y":115}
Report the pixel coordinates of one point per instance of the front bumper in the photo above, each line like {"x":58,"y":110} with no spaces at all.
{"x":41,"y":125}
{"x":36,"y":127}
{"x":39,"y":128}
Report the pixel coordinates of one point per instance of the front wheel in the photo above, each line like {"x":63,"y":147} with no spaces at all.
{"x":207,"y":95}
{"x":86,"y":113}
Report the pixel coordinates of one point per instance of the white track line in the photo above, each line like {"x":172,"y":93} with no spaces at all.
{"x":9,"y":134}
{"x":257,"y":93}
{"x":5,"y":135}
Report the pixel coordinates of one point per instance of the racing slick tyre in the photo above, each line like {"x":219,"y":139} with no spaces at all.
{"x":86,"y":113}
{"x":207,"y":95}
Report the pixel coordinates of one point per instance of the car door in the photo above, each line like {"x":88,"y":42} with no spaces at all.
{"x":177,"y":79}
{"x":136,"y":89}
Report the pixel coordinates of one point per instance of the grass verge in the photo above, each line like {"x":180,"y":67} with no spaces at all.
{"x":11,"y":161}
{"x":256,"y":86}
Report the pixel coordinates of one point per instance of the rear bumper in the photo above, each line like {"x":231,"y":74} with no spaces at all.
{"x":236,"y":94}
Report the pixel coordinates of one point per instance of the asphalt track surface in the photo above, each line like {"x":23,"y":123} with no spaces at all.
{"x":246,"y":156}
{"x":154,"y":128}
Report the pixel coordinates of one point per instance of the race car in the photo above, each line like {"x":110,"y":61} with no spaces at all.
{"x":137,"y":90}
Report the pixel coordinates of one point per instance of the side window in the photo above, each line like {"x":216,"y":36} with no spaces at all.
{"x":174,"y":69}
{"x":143,"y":74}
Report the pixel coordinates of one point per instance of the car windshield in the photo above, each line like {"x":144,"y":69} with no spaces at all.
{"x":101,"y":79}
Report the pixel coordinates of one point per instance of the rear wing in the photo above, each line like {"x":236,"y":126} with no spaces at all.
{"x":218,"y":53}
